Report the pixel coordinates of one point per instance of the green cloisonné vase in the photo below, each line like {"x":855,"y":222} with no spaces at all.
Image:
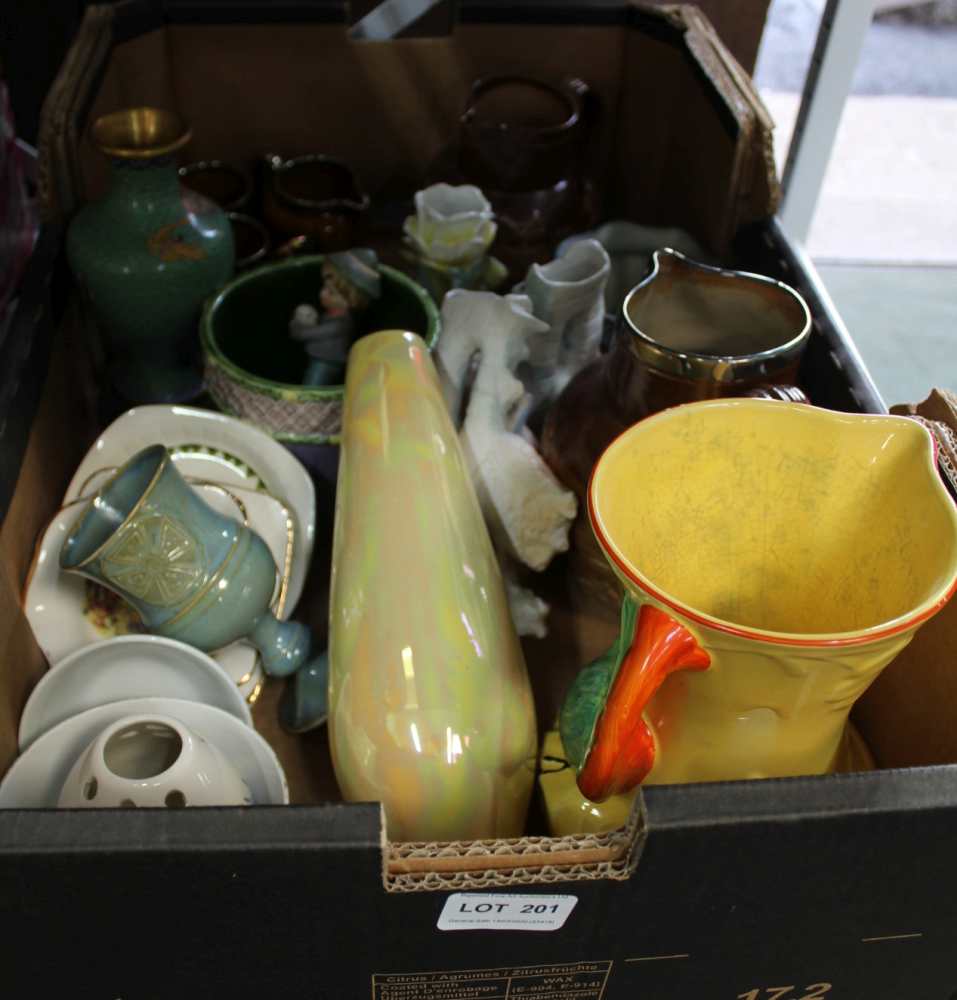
{"x":148,"y":255}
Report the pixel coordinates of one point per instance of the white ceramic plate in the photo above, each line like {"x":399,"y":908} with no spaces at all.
{"x":55,"y":602}
{"x":36,"y":777}
{"x":129,"y":666}
{"x":211,"y":446}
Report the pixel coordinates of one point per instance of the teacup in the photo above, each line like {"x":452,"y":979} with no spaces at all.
{"x":314,"y":196}
{"x":191,"y":573}
{"x":775,"y":557}
{"x":226,"y":184}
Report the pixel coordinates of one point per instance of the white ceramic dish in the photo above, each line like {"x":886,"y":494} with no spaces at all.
{"x":214,"y":447}
{"x":36,"y":777}
{"x":55,"y":602}
{"x":130,"y":666}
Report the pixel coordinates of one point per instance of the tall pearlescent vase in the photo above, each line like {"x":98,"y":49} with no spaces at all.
{"x":431,"y":711}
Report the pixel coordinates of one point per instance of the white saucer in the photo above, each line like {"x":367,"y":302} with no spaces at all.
{"x":211,"y":446}
{"x":129,"y":666}
{"x":36,"y":777}
{"x":54,"y":602}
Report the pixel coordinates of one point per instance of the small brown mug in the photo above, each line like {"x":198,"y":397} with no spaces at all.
{"x":314,"y":196}
{"x":227,"y":185}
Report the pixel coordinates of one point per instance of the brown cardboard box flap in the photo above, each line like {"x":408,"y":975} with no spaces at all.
{"x":451,"y":867}
{"x":683,"y":138}
{"x":938,"y":413}
{"x":900,"y":716}
{"x":758,"y":191}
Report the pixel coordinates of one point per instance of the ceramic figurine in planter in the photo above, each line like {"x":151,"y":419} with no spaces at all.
{"x":254,"y":368}
{"x":148,"y":255}
{"x":449,"y":237}
{"x":350,"y":283}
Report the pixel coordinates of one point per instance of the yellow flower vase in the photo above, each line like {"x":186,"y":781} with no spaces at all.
{"x":431,"y":711}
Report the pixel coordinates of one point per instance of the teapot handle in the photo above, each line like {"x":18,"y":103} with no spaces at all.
{"x":602,"y":725}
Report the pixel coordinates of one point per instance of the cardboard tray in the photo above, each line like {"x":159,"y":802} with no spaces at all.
{"x":789,"y":889}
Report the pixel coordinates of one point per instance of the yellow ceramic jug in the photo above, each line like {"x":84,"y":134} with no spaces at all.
{"x":775,"y":558}
{"x":430,"y":708}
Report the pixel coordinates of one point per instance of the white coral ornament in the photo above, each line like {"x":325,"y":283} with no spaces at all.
{"x":528,"y":511}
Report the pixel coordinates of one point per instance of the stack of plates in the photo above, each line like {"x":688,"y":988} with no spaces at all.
{"x":130,"y":676}
{"x":239,"y":470}
{"x":102,"y":669}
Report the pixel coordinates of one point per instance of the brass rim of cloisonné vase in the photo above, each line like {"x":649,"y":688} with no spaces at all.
{"x":289,"y":391}
{"x":140,"y":133}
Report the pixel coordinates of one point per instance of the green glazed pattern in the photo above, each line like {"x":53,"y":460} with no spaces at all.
{"x":147,"y":256}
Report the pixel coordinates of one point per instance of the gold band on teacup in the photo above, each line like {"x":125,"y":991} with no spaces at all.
{"x":253,"y":695}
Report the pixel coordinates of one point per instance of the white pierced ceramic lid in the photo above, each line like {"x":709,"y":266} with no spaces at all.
{"x":36,"y":777}
{"x":152,"y":761}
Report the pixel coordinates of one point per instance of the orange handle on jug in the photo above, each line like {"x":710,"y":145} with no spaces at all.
{"x":602,"y":721}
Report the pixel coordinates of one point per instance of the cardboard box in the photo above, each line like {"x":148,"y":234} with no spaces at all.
{"x":793,"y":889}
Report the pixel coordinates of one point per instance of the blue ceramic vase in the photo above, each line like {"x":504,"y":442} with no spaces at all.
{"x":191,"y":573}
{"x":147,"y":256}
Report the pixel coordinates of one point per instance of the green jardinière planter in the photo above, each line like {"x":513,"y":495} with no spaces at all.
{"x":253,"y":367}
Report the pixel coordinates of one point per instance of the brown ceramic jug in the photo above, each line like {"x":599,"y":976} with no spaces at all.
{"x":524,"y":143}
{"x":687,"y":332}
{"x":313,"y":200}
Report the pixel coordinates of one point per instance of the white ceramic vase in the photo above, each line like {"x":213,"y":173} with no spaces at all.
{"x":629,"y":247}
{"x":568,"y":294}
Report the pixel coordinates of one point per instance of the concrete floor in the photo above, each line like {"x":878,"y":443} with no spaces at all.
{"x":884,"y":236}
{"x":904,"y":322}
